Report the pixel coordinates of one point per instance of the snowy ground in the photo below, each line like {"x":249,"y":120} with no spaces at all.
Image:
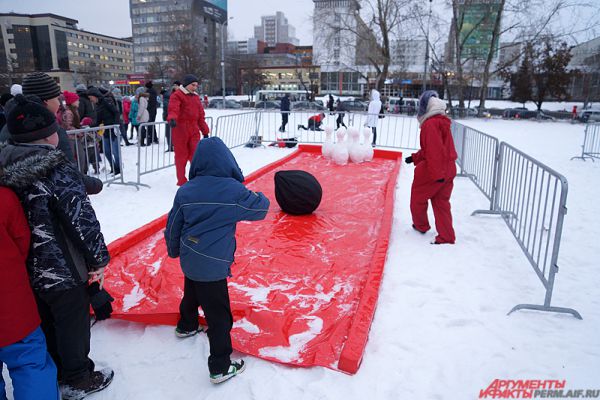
{"x":440,"y":329}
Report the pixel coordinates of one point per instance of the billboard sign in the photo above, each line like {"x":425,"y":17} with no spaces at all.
{"x":478,"y":18}
{"x":215,"y":9}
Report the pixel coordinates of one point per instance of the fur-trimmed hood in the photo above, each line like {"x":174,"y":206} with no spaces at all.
{"x":21,"y":165}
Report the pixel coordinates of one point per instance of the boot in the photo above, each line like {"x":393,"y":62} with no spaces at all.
{"x":97,"y":381}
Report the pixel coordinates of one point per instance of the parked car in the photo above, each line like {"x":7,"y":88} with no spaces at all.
{"x":218,"y":103}
{"x":354,"y":105}
{"x":268,"y":104}
{"x":534,"y":115}
{"x":306,"y":105}
{"x":590,"y":115}
{"x":513,"y":112}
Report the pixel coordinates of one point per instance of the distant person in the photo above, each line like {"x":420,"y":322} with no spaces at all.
{"x":152,"y":108}
{"x":375,"y":107}
{"x":201,"y":232}
{"x":574,"y":114}
{"x":186,"y":118}
{"x":205,"y":101}
{"x":340,"y":117}
{"x":435,"y":169}
{"x":86,"y":108}
{"x":142,"y":116}
{"x":314,"y":123}
{"x":330,"y":104}
{"x":285,"y":111}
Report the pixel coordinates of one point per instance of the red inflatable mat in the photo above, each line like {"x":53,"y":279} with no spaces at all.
{"x":304,"y":288}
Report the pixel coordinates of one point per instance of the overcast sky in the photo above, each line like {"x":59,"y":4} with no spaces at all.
{"x":111,"y":17}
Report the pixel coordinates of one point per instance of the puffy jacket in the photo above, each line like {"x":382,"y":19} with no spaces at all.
{"x":86,"y":108}
{"x":126,"y":109}
{"x":142,"y":112}
{"x":66,"y":238}
{"x":133,"y":112}
{"x":374,"y":109}
{"x":201,"y":225}
{"x":186,"y":109}
{"x":317,"y":118}
{"x":18,"y":311}
{"x":285,"y":104}
{"x":437,"y":157}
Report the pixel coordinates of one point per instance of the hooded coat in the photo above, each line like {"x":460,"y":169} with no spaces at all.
{"x":201,"y":225}
{"x":18,"y":310}
{"x":66,"y":241}
{"x":374,"y":109}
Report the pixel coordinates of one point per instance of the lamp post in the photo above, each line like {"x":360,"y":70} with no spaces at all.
{"x":427,"y":49}
{"x":223,"y":59}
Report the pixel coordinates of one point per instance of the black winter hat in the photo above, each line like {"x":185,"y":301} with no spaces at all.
{"x":29,"y":120}
{"x":94,"y":91}
{"x":149,"y":84}
{"x":41,"y":85}
{"x":189,"y":79}
{"x":5,"y":98}
{"x":297,"y":192}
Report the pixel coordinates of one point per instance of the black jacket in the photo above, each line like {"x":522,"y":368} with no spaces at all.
{"x":66,"y":242}
{"x":152,"y":101}
{"x":285,"y":104}
{"x":86,"y":108}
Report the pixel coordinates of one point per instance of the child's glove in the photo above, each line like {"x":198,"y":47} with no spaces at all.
{"x":172,"y":123}
{"x":100,"y":301}
{"x":408,"y":160}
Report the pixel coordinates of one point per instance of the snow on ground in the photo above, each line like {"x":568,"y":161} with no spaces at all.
{"x":440,"y":329}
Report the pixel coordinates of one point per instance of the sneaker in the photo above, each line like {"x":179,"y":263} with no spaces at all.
{"x":180,"y":333}
{"x":235,"y":368}
{"x":98,"y":381}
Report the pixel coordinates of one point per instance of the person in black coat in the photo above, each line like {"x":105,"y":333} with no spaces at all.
{"x":330,"y":104}
{"x":340,"y":118}
{"x":108,"y":114}
{"x":152,"y":106}
{"x":86,"y":108}
{"x":285,"y":111}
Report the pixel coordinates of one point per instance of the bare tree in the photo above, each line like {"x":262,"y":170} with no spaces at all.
{"x":158,"y":69}
{"x":369,"y":32}
{"x":252,"y":76}
{"x":90,"y":73}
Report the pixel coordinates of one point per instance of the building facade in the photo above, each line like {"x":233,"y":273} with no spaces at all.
{"x":53,"y":44}
{"x":585,"y":86}
{"x":161,"y":27}
{"x":275,"y":29}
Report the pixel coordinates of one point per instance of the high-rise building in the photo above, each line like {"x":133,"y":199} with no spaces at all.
{"x":53,"y":44}
{"x":275,"y":29}
{"x":161,"y":27}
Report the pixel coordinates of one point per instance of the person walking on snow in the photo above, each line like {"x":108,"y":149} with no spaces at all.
{"x":374,"y":111}
{"x":201,"y":232}
{"x":186,"y":119}
{"x":435,"y":169}
{"x":285,"y":111}
{"x":22,"y":342}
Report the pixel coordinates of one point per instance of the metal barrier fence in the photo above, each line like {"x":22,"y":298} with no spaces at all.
{"x":90,"y":144}
{"x":591,"y":143}
{"x":477,"y":158}
{"x":264,"y":126}
{"x":532,"y":200}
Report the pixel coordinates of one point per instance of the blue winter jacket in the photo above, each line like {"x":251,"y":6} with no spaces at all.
{"x":201,"y":225}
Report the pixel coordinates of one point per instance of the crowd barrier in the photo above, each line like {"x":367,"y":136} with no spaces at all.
{"x":256,"y":127}
{"x":97,"y":153}
{"x":529,"y":196}
{"x":591,"y":143}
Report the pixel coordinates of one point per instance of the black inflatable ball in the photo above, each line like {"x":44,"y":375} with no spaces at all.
{"x":297,"y":192}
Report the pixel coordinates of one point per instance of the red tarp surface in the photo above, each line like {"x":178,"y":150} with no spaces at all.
{"x":304,"y":288}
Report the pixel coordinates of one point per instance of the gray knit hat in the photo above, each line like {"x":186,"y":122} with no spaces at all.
{"x":81,"y":87}
{"x":40,"y":84}
{"x":140,"y":90}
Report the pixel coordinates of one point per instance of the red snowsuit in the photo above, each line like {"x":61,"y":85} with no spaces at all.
{"x":435,"y":161}
{"x":18,"y":311}
{"x":186,"y":109}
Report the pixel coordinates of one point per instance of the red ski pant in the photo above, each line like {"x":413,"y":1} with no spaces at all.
{"x":184,"y":144}
{"x":439,"y":194}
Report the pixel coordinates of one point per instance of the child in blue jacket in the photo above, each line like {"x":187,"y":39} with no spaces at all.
{"x":201,"y":232}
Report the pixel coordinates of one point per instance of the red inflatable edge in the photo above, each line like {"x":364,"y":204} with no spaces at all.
{"x":352,"y":352}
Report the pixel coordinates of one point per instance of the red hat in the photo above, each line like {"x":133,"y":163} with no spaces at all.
{"x":70,"y":97}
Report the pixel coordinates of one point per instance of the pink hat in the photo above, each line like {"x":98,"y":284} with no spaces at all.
{"x":70,"y":97}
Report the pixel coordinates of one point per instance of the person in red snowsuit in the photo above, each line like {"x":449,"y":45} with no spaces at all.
{"x":314,"y":123}
{"x":186,"y":119}
{"x":435,"y":169}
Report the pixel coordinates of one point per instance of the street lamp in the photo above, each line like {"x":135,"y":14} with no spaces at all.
{"x":223,"y":59}
{"x":427,"y":48}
